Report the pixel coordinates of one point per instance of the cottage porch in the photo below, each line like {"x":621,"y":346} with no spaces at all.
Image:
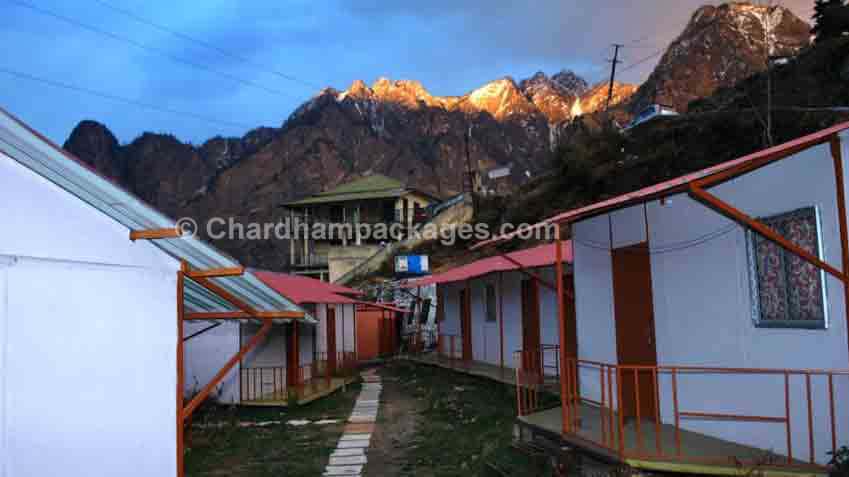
{"x":651,"y":432}
{"x":700,"y":454}
{"x":448,"y":354}
{"x":277,"y":386}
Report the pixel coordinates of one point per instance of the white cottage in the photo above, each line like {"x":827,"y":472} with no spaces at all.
{"x":294,"y":362}
{"x":90,"y":348}
{"x":712,"y":316}
{"x":493,"y":310}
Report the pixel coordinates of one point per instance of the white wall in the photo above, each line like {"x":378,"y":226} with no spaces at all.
{"x":346,"y":327}
{"x":702,"y":303}
{"x":90,"y":374}
{"x":321,"y":328}
{"x":450,"y":324}
{"x":4,"y":324}
{"x":206,"y":354}
{"x":486,"y":336}
{"x":89,"y":333}
{"x":51,"y":223}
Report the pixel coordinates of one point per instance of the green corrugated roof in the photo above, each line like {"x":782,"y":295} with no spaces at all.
{"x":375,"y":186}
{"x":372,"y":183}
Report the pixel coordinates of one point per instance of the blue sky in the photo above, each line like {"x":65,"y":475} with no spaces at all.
{"x":452,"y":47}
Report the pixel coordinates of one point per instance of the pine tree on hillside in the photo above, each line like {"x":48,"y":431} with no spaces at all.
{"x":831,"y":19}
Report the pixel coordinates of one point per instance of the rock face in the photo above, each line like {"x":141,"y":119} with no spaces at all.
{"x":720,"y":46}
{"x":595,"y":98}
{"x":399,"y":129}
{"x":395,"y":128}
{"x":97,"y":146}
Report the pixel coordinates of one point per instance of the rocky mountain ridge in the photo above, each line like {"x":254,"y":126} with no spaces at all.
{"x":400,"y":129}
{"x":720,"y":46}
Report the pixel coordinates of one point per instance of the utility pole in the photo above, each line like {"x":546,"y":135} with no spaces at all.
{"x":469,"y":175}
{"x":769,"y":59}
{"x":613,"y":62}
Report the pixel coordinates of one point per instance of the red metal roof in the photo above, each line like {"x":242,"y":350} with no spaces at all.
{"x":673,"y":186}
{"x":301,"y":289}
{"x":382,"y":306}
{"x":540,"y":256}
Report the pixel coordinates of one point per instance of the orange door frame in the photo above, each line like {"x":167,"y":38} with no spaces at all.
{"x":330,"y":337}
{"x":565,"y":398}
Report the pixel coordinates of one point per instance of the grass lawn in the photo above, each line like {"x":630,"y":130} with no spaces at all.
{"x":464,"y":424}
{"x":275,"y":450}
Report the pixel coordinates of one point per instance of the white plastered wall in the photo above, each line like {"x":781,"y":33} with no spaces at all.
{"x":450,"y":324}
{"x":346,"y":338}
{"x":486,"y":335}
{"x":702,"y":305}
{"x":88,"y":321}
{"x":206,"y":354}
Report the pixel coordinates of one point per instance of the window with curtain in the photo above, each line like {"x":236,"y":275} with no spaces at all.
{"x":491,"y":303}
{"x":788,"y":292}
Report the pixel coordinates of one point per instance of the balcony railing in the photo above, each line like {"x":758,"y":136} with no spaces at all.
{"x":536,"y":368}
{"x":419,"y":341}
{"x":310,"y":260}
{"x":270,"y":384}
{"x":636,"y":412}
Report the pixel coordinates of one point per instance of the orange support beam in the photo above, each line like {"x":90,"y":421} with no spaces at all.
{"x":220,"y":291}
{"x":241,"y":315}
{"x":216,"y":273}
{"x":216,"y":380}
{"x":565,"y":398}
{"x":837,"y":155}
{"x":155,"y":234}
{"x":738,"y":216}
{"x":749,"y":166}
{"x":528,"y":273}
{"x":293,"y":361}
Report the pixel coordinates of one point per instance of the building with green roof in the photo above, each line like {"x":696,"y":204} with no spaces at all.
{"x":377,"y":201}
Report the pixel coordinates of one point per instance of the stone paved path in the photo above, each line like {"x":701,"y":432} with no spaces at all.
{"x":350,"y":455}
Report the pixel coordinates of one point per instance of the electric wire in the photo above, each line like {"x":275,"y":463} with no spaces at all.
{"x":112,"y":97}
{"x":145,"y":47}
{"x":145,"y":21}
{"x":669,"y":248}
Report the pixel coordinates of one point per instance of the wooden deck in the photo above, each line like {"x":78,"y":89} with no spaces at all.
{"x":701,"y":454}
{"x":307,"y":394}
{"x":504,"y":375}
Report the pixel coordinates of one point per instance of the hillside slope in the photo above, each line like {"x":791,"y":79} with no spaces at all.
{"x":811,"y":93}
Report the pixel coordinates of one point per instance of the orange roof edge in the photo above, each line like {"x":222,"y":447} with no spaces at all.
{"x":674,"y":186}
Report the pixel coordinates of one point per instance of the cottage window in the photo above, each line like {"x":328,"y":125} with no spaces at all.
{"x":788,"y":292}
{"x":491,"y":311}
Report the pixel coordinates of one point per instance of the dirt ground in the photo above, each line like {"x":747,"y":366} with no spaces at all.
{"x":432,"y":422}
{"x":217,"y":445}
{"x":435,"y":422}
{"x":395,"y":430}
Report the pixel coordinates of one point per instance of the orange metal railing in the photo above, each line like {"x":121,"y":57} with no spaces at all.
{"x":268,"y":383}
{"x":627,"y":402}
{"x":271,"y":383}
{"x":534,"y":368}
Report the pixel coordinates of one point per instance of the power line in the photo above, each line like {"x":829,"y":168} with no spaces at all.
{"x":642,"y":60}
{"x":120,"y":99}
{"x":145,"y":47}
{"x":203,"y":43}
{"x":670,"y":247}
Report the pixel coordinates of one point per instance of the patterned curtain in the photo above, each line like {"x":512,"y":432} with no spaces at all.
{"x":789,"y":288}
